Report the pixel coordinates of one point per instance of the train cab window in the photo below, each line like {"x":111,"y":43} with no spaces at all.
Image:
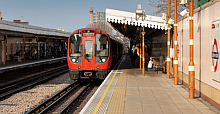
{"x":75,"y":42}
{"x":102,"y":48}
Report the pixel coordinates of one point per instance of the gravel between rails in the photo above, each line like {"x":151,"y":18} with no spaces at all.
{"x":24,"y":101}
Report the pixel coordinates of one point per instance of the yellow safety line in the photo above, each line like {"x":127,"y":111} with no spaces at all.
{"x":116,"y":106}
{"x":104,"y":94}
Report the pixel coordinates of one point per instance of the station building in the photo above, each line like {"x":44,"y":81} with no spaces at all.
{"x":20,"y":36}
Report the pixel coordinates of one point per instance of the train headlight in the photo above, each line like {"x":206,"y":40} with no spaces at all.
{"x":74,"y":60}
{"x":79,"y":67}
{"x":103,"y":60}
{"x":97,"y":67}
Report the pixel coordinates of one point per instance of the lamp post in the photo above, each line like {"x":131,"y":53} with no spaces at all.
{"x":191,"y":63}
{"x":168,"y":43}
{"x":175,"y":45}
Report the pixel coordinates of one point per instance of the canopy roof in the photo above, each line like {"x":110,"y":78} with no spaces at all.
{"x":127,"y":24}
{"x":16,"y":29}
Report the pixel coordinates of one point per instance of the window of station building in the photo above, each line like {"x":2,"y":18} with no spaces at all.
{"x":21,"y":47}
{"x":17,"y":45}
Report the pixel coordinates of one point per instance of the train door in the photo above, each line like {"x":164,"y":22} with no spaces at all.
{"x":88,"y":57}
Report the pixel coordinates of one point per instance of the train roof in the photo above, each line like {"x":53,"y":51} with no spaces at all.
{"x":116,"y":39}
{"x":110,"y":36}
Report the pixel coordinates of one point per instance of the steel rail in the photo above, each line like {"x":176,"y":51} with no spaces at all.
{"x":77,"y":97}
{"x":44,"y":106}
{"x":44,"y":111}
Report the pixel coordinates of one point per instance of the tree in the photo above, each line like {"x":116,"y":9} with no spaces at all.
{"x":162,"y":7}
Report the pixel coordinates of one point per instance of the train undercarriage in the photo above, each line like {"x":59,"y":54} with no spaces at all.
{"x":88,"y":74}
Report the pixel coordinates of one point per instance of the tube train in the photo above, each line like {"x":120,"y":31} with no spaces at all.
{"x":92,"y":53}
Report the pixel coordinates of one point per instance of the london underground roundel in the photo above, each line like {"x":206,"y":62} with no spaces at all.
{"x":215,"y":55}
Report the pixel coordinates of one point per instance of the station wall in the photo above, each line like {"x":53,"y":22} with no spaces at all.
{"x":207,"y":83}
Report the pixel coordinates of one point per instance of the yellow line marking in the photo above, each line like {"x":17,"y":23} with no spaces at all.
{"x":105,"y":92}
{"x":116,"y":106}
{"x":103,"y":95}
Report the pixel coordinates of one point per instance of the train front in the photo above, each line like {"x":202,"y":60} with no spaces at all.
{"x":88,"y":54}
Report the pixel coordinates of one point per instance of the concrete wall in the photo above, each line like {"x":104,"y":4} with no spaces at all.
{"x":203,"y":44}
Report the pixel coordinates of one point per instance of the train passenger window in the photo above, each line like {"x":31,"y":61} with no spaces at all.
{"x":75,"y":45}
{"x":102,"y":49}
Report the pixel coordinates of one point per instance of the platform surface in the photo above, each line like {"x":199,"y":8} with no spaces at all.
{"x":126,"y":91}
{"x":27,"y":63}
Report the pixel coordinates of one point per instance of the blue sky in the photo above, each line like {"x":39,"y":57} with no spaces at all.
{"x":70,"y":14}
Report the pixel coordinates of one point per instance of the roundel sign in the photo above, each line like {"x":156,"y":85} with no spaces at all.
{"x":215,"y":55}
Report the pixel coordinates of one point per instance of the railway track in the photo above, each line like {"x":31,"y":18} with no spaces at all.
{"x":66,"y":100}
{"x":69,"y":100}
{"x":30,"y":81}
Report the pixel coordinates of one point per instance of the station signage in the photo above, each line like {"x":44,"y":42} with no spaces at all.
{"x":215,"y":55}
{"x":215,"y":50}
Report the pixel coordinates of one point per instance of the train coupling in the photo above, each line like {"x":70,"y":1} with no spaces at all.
{"x":87,"y":73}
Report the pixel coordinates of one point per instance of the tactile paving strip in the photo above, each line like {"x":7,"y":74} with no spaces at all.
{"x":116,"y":105}
{"x":98,"y":104}
{"x":103,"y":107}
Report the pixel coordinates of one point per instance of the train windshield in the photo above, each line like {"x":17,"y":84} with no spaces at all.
{"x":102,"y":48}
{"x":75,"y":42}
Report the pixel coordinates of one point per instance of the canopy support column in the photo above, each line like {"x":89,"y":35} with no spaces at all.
{"x":168,"y":43}
{"x":143,"y":62}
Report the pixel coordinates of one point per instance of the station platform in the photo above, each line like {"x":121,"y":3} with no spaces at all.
{"x":29,"y":63}
{"x":126,"y":91}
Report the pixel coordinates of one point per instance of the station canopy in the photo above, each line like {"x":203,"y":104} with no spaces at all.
{"x":131,"y":24}
{"x":29,"y":31}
